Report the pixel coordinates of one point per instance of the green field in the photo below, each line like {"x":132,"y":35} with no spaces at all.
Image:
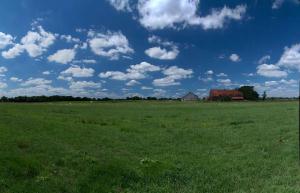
{"x":156,"y":147}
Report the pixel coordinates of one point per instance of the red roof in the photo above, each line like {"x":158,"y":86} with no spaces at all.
{"x":234,"y":94}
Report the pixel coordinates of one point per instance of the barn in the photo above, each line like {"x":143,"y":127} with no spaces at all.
{"x":216,"y":94}
{"x":190,"y":97}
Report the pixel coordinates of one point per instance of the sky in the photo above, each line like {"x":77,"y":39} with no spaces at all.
{"x":161,"y":48}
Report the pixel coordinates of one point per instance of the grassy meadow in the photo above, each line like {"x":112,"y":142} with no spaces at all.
{"x":153,"y":147}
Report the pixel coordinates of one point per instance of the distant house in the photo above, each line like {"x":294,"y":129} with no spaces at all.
{"x":216,"y":94}
{"x":190,"y":97}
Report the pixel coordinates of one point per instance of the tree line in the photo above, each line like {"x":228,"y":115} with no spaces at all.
{"x":57,"y":98}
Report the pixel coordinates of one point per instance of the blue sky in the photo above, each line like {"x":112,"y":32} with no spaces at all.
{"x":163,"y":48}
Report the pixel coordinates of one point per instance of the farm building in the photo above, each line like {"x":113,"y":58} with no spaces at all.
{"x":190,"y":97}
{"x":216,"y":94}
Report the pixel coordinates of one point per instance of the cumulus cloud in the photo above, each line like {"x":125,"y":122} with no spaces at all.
{"x":291,"y":57}
{"x":3,"y":85}
{"x":218,"y":18}
{"x":78,"y":72}
{"x":209,"y":72}
{"x":279,"y":88}
{"x":135,"y":72}
{"x":168,"y":51}
{"x":70,"y":39}
{"x":2,"y":70}
{"x":46,"y":73}
{"x":15,"y":51}
{"x":111,"y":45}
{"x":234,"y":58}
{"x":172,"y":75}
{"x":157,"y":40}
{"x":162,"y":53}
{"x":225,"y":82}
{"x":222,"y":75}
{"x":270,"y":70}
{"x":5,"y":40}
{"x":63,"y":56}
{"x":178,"y":73}
{"x":132,"y":83}
{"x":121,"y":5}
{"x":160,"y":14}
{"x":34,"y":42}
{"x":80,"y":85}
{"x":15,"y":79}
{"x":36,"y":82}
{"x":166,"y":81}
{"x":264,"y":59}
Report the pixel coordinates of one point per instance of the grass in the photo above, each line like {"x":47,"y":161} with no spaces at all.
{"x":153,"y":147}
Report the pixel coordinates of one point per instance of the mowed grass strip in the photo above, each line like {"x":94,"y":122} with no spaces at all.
{"x":157,"y":147}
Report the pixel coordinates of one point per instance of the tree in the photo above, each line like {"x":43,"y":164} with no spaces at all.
{"x":264,"y":96}
{"x":249,"y":93}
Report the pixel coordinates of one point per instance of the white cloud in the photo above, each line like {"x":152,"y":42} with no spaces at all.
{"x":37,"y":42}
{"x":209,"y":72}
{"x":78,"y":72}
{"x":271,"y":83}
{"x":159,"y":93}
{"x":235,"y":58}
{"x":85,"y":61}
{"x":13,"y":52}
{"x":166,"y":81}
{"x":111,"y":45}
{"x":270,"y":70}
{"x":34,"y":42}
{"x":143,"y":67}
{"x":178,"y":73}
{"x":120,"y":5}
{"x":290,"y":82}
{"x":162,"y":53}
{"x":146,"y":88}
{"x":70,"y":39}
{"x":264,"y":59}
{"x":132,"y":83}
{"x":159,"y":14}
{"x":218,"y":18}
{"x":38,"y":90}
{"x":170,"y":51}
{"x":222,"y":75}
{"x":226,"y":82}
{"x":36,"y":82}
{"x":3,"y":85}
{"x":279,"y":88}
{"x":80,"y":85}
{"x":135,"y":72}
{"x":63,"y":56}
{"x":5,"y":40}
{"x":249,"y":74}
{"x":277,"y":4}
{"x":46,"y":73}
{"x":173,"y":74}
{"x":2,"y":70}
{"x":15,"y":79}
{"x":65,"y":78}
{"x":291,"y":57}
{"x":157,"y":40}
